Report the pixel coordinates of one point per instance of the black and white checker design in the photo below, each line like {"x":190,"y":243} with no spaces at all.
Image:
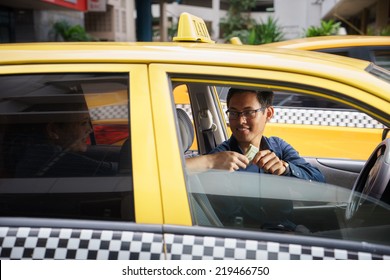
{"x":338,"y":118}
{"x":82,"y":244}
{"x":300,"y":116}
{"x":189,"y":247}
{"x":110,"y":112}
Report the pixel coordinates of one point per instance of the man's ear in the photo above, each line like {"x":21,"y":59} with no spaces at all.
{"x":270,"y":113}
{"x":51,"y":130}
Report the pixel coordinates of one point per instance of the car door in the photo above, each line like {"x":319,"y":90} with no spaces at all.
{"x":57,"y":203}
{"x":199,"y":233}
{"x":328,"y":122}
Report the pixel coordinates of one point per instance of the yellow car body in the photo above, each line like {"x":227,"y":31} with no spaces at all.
{"x":372,"y":48}
{"x":153,"y":71}
{"x":152,"y":102}
{"x":331,"y":42}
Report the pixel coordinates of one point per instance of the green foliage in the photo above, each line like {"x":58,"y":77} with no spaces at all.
{"x":172,"y":31}
{"x":70,"y":33}
{"x":265,"y":32}
{"x":238,"y":21}
{"x":327,"y":28}
{"x":382,"y":32}
{"x":239,"y":24}
{"x":385,"y":31}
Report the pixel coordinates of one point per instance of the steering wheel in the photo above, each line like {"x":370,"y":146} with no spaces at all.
{"x":372,"y":180}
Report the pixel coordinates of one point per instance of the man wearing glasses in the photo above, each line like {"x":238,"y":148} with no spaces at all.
{"x":249,"y":111}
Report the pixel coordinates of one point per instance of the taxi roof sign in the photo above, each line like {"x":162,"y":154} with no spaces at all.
{"x":192,"y":29}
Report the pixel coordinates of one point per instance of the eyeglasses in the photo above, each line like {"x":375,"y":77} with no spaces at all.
{"x":247,"y":114}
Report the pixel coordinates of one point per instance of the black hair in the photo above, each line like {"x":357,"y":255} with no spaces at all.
{"x":265,"y":97}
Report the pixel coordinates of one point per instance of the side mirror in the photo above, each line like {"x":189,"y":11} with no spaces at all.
{"x":385,"y":133}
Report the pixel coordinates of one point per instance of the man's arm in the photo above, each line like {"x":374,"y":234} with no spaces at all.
{"x":283,"y":159}
{"x":227,"y":160}
{"x":298,"y":166}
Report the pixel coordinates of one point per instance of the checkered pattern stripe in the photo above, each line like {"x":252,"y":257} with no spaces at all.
{"x":325,"y":118}
{"x":188,"y":247}
{"x":301,"y":116}
{"x":82,"y":244}
{"x":110,"y":112}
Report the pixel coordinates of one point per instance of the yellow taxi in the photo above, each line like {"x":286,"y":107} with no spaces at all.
{"x":372,"y":48}
{"x":94,"y":145}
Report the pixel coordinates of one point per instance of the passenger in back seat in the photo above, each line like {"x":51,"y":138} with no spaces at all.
{"x":54,"y":149}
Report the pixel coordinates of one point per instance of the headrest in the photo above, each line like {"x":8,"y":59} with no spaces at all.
{"x":186,"y":129}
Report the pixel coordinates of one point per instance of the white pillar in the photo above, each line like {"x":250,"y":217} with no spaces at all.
{"x":214,"y":33}
{"x":130,"y":21}
{"x":163,"y":21}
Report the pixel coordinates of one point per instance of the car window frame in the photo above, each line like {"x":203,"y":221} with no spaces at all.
{"x":146,"y":188}
{"x":174,"y":194}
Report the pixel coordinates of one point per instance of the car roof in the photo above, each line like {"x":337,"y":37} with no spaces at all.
{"x":342,"y":69}
{"x":193,"y":53}
{"x":339,"y":41}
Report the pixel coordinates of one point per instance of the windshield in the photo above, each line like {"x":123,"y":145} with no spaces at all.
{"x":271,"y":203}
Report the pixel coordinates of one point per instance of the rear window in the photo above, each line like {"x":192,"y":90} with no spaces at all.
{"x":64,"y":146}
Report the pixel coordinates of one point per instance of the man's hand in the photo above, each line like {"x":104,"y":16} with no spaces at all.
{"x":269,"y":162}
{"x":228,"y":160}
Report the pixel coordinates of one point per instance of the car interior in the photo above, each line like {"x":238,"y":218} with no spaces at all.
{"x":361,"y":180}
{"x":210,"y":130}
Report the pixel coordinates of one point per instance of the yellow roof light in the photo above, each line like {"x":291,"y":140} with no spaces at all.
{"x":192,"y":29}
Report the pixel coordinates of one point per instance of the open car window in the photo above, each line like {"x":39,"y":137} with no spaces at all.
{"x":333,"y":128}
{"x":320,"y":124}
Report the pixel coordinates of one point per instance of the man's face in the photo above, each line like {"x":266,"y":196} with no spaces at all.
{"x":75,"y":134}
{"x":245,"y":130}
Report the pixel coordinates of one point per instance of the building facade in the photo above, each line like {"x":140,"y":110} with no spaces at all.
{"x":33,"y":20}
{"x":356,"y":16}
{"x":116,"y":20}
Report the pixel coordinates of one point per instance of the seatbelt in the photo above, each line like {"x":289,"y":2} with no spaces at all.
{"x":207,"y":128}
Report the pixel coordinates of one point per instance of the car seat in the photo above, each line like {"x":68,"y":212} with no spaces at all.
{"x":186,"y":129}
{"x":203,"y":211}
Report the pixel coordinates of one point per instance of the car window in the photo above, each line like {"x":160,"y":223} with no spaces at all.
{"x":382,"y":58}
{"x":182,"y":102}
{"x":267,"y":203}
{"x":342,"y":52}
{"x":317,"y":125}
{"x":64,"y":146}
{"x":198,"y":102}
{"x":339,"y":127}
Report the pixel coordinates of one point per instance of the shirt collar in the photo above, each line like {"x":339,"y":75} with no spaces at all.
{"x":233,"y":143}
